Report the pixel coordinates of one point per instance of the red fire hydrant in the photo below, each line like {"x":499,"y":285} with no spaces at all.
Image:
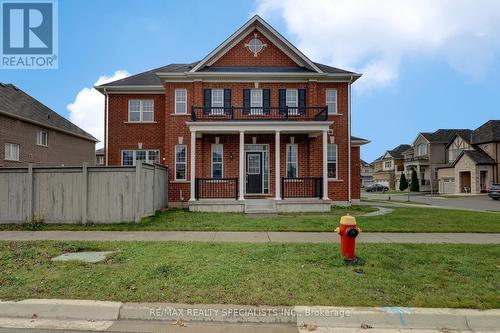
{"x":348,"y":232}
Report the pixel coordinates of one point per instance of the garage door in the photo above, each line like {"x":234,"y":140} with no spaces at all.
{"x":448,"y":185}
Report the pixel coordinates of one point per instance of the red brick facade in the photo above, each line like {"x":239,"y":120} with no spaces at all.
{"x":169,"y":129}
{"x":239,"y":55}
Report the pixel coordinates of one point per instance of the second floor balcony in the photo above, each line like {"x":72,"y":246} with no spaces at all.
{"x":417,"y":158}
{"x":233,"y":113}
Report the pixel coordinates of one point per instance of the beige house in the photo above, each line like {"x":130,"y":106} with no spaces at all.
{"x":472,"y":161}
{"x":387,"y":166}
{"x":427,"y":154}
{"x":366,"y":173}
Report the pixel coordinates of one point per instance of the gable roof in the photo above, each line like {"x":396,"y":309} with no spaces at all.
{"x":466,"y":135}
{"x":364,"y":163}
{"x":477,"y":155}
{"x":398,"y":151}
{"x":444,"y":135}
{"x":256,"y":22}
{"x":16,"y":103}
{"x":153,"y":79}
{"x":488,"y":132}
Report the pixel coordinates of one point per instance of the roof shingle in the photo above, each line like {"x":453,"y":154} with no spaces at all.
{"x":17,"y":103}
{"x":488,"y":132}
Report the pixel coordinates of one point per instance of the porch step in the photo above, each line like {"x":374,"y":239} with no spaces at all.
{"x":260,"y":206}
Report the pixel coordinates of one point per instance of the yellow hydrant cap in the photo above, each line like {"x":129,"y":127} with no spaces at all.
{"x":347,"y":220}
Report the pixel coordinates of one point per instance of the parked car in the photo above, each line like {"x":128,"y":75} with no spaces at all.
{"x":377,"y":188}
{"x":494,"y":191}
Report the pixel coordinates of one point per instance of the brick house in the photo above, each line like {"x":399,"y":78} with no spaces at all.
{"x":255,"y":125}
{"x":30,"y":132}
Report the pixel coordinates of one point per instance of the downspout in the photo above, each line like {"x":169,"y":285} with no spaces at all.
{"x":349,"y":139}
{"x":106,"y":127}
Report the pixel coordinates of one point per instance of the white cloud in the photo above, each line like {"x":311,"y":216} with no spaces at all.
{"x":87,"y":111}
{"x":373,"y":37}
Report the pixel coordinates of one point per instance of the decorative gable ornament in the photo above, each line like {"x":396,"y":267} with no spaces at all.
{"x":255,"y":45}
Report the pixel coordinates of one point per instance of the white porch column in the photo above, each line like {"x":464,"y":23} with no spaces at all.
{"x":325,"y":165}
{"x":192,"y":163}
{"x":277,"y":172}
{"x":242,"y":167}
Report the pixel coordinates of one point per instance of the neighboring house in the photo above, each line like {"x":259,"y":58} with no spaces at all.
{"x":388,"y":166}
{"x":472,"y":160}
{"x":428,"y":154}
{"x":99,"y":157}
{"x":254,"y":119}
{"x":366,"y":174}
{"x":30,"y":132}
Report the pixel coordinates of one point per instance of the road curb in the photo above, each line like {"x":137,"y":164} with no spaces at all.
{"x":208,"y":313}
{"x":61,"y":309}
{"x":321,"y":316}
{"x":398,"y":317}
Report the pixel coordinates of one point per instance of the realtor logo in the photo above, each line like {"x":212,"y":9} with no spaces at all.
{"x":29,"y":34}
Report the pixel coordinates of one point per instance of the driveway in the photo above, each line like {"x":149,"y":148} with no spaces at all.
{"x":480,"y":202}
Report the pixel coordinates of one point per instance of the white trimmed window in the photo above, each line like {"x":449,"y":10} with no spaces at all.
{"x":292,"y":101}
{"x":256,"y":102}
{"x":217,"y":161}
{"x":11,"y":152}
{"x":332,"y":161}
{"x":291,"y":161}
{"x":180,"y":101}
{"x":180,"y":162}
{"x":218,"y":101}
{"x":422,"y":149}
{"x":42,"y":138}
{"x":140,"y":110}
{"x":131,"y":157}
{"x":331,"y":100}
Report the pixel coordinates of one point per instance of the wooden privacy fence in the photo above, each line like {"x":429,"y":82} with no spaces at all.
{"x":82,"y":194}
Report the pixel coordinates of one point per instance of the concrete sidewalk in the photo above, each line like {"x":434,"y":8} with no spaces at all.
{"x":250,"y":237}
{"x":135,"y":317}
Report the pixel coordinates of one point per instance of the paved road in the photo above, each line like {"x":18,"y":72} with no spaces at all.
{"x":250,"y":237}
{"x":167,"y":327}
{"x":481,"y":202}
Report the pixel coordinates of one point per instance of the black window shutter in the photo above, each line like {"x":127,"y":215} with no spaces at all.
{"x":282,"y":100}
{"x":266,"y":100}
{"x":227,"y":101}
{"x":246,"y":101}
{"x":207,"y":100}
{"x":302,"y":101}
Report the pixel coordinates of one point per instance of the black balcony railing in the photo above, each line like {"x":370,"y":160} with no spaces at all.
{"x":305,"y":187}
{"x":306,"y":113}
{"x":216,"y":188}
{"x":417,"y":158}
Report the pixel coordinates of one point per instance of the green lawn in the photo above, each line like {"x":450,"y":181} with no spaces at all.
{"x":395,"y":201}
{"x":402,"y":219}
{"x":457,"y":276}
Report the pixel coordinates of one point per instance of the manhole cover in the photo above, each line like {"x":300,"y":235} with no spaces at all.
{"x":83,"y":256}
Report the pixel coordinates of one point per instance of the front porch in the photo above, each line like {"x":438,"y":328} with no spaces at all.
{"x":259,"y":168}
{"x":261,"y":206}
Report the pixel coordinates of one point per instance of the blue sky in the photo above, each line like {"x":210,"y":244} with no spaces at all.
{"x":411,"y":85}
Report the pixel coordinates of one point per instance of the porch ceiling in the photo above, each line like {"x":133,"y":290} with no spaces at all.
{"x":258,"y":127}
